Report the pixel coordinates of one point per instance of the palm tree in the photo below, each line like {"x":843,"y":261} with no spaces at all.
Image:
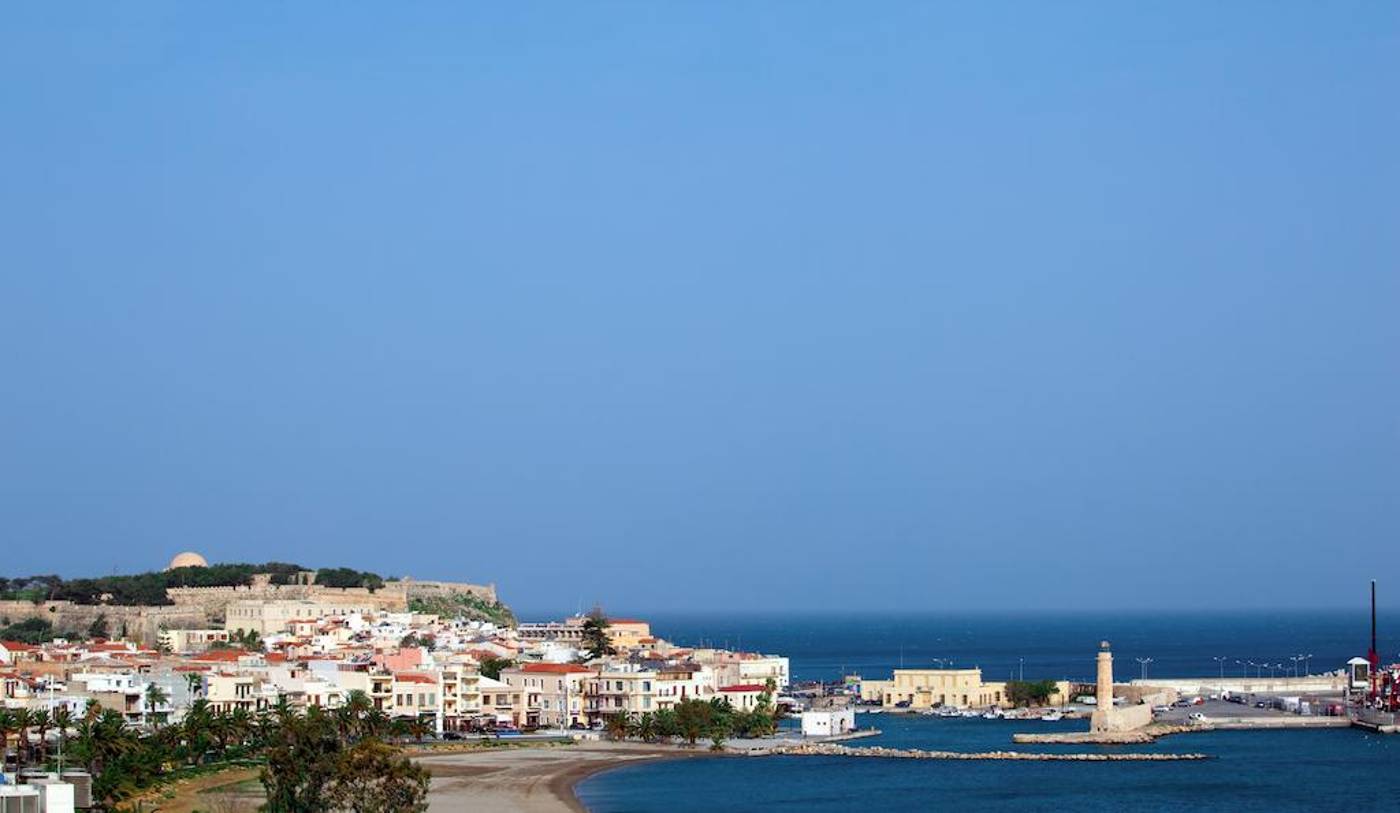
{"x":7,"y":724}
{"x":417,"y":728}
{"x":62,"y":721}
{"x":22,"y":720}
{"x":41,"y":722}
{"x":646,"y":727}
{"x":155,"y":698}
{"x":619,"y":724}
{"x":195,"y":681}
{"x":240,"y":724}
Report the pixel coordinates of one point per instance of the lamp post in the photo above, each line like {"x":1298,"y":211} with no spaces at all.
{"x":1143,"y":662}
{"x":1308,"y":663}
{"x":1244,"y":668}
{"x":1221,"y":662}
{"x":1022,"y":673}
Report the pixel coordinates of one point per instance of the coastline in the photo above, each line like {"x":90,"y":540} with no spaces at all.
{"x":533,"y":780}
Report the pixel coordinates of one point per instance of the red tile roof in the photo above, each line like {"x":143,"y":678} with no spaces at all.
{"x":16,"y":646}
{"x":554,"y":668}
{"x":744,"y":687}
{"x":221,"y":655}
{"x":413,"y":677}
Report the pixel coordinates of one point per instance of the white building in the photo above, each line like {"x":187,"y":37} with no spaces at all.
{"x":828,"y":722}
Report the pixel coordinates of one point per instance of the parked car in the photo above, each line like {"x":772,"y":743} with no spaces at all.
{"x":1161,"y":709}
{"x":1196,"y":717}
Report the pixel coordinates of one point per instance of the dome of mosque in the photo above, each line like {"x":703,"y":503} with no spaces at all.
{"x":187,"y":559}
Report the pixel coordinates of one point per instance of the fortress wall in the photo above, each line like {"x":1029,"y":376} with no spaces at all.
{"x":142,"y":623}
{"x":417,"y":589}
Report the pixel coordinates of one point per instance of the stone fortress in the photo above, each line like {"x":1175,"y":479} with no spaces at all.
{"x":201,"y":607}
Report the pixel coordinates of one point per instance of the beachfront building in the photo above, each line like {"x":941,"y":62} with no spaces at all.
{"x":500,"y":703}
{"x":927,"y":688}
{"x":553,"y":692}
{"x":828,"y":722}
{"x":744,"y":696}
{"x":611,"y":692}
{"x":684,"y":681}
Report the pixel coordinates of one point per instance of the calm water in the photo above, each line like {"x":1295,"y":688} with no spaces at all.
{"x":1252,"y":770}
{"x":1052,"y":645}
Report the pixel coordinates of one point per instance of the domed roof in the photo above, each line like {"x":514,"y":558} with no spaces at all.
{"x":187,"y":559}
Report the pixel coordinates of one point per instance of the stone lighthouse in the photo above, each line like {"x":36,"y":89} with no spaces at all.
{"x":1102,"y":719}
{"x":1104,"y":695}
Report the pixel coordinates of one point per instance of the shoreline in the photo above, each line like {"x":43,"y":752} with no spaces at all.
{"x":534,"y":780}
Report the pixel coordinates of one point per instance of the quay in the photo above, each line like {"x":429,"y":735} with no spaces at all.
{"x":832,"y":750}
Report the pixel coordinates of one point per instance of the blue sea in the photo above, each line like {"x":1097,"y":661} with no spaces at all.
{"x":1301,"y":770}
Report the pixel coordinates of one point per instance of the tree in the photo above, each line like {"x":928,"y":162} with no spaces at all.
{"x":155,"y":698}
{"x":619,"y":725}
{"x":99,"y":627}
{"x":301,"y":765}
{"x":646,"y":727}
{"x":694,"y":719}
{"x":491,"y":666}
{"x":42,"y":722}
{"x":596,"y":643}
{"x":62,"y":721}
{"x":666,"y":724}
{"x":195,"y":682}
{"x":372,"y":777}
{"x":1028,"y":693}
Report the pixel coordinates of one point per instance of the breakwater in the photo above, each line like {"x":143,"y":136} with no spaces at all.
{"x":832,"y":750}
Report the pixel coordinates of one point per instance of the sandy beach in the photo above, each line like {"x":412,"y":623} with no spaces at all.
{"x":530,"y":780}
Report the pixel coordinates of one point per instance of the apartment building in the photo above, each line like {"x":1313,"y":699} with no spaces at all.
{"x":553,"y":692}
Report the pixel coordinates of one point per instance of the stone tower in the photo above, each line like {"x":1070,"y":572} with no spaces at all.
{"x":1104,"y":694}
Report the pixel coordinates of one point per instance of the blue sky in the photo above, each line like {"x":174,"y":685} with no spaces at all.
{"x":709,"y":306}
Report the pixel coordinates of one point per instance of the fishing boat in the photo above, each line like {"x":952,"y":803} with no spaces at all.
{"x":1052,"y":716}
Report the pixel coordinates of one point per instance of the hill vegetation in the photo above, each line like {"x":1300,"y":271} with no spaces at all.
{"x":466,"y":606}
{"x":149,"y":588}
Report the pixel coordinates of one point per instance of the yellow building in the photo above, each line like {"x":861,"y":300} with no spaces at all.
{"x":958,"y":688}
{"x":926,"y":688}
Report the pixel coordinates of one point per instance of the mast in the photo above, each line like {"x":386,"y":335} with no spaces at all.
{"x":1372,"y":655}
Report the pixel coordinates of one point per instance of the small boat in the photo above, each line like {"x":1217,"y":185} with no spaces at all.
{"x":872,"y":711}
{"x":970,"y":713}
{"x":1053,"y":716}
{"x":992,"y":714}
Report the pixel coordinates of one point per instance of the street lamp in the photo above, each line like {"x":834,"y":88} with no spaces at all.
{"x":1221,"y":661}
{"x":1244,"y":668}
{"x":1143,"y":662}
{"x":1308,"y":663}
{"x":1022,"y":676}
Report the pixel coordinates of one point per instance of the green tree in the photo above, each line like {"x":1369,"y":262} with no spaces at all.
{"x":372,"y":777}
{"x":596,"y":642}
{"x":619,"y":725}
{"x":694,"y":719}
{"x":155,"y":698}
{"x":1030,"y":693}
{"x":99,"y":627}
{"x":302,"y":765}
{"x":491,"y":666}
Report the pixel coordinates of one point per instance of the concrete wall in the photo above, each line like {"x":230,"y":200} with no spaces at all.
{"x":1121,"y":718}
{"x":1266,"y":685}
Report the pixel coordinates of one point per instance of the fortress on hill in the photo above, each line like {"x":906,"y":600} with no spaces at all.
{"x":202,"y":607}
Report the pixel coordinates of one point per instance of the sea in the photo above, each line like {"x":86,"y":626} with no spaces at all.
{"x":1298,"y":770}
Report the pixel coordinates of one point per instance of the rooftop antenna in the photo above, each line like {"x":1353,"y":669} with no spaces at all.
{"x":1372,"y":655}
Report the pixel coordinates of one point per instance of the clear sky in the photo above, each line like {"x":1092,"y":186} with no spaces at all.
{"x":710,"y":305}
